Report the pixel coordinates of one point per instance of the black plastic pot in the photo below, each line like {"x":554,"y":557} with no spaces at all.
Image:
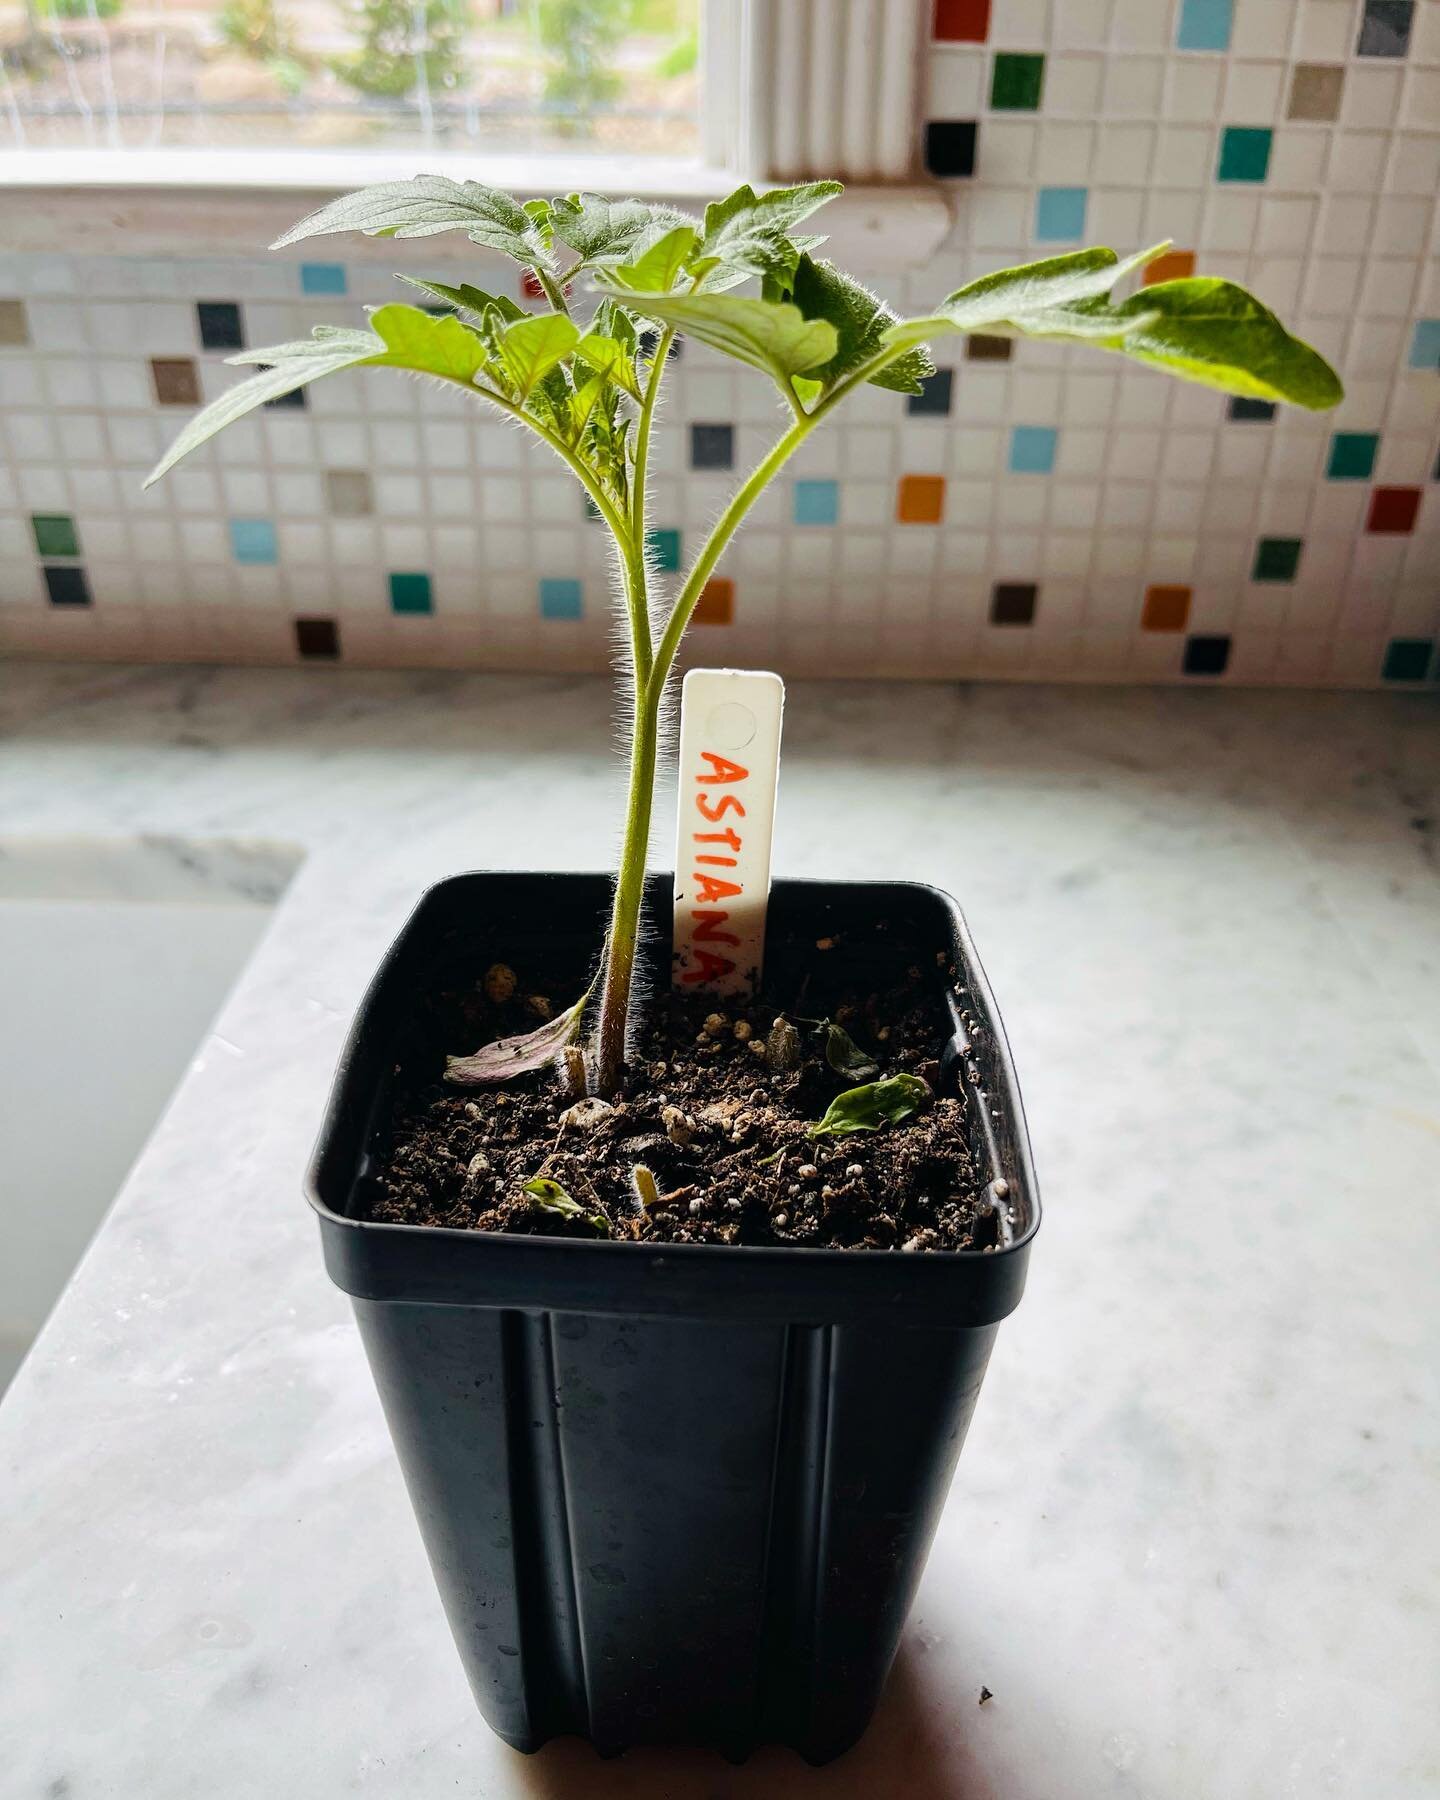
{"x":680,"y":1494}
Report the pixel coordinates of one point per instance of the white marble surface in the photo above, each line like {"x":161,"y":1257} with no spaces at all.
{"x":1192,"y":1546}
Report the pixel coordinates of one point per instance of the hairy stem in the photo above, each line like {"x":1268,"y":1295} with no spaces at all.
{"x":554,"y":293}
{"x":622,"y":941}
{"x":623,"y":938}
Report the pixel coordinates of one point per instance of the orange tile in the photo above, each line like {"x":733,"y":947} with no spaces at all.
{"x":1166,"y":609}
{"x":1174,"y":265}
{"x":921,"y":499}
{"x":716,"y":605}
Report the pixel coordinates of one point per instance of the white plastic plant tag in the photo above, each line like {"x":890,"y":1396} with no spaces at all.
{"x":729,"y":765}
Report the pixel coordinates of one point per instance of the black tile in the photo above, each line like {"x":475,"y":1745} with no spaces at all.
{"x":1206,"y":655}
{"x":1013,"y":603}
{"x":712,"y":446}
{"x":294,"y":399}
{"x":645,"y":342}
{"x":935,"y":401}
{"x":980,"y":346}
{"x":1240,"y":408}
{"x":317,"y":638}
{"x":950,"y":146}
{"x":67,"y":586}
{"x":221,"y":327}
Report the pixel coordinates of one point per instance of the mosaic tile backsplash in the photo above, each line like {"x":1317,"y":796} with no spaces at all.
{"x":1036,"y":512}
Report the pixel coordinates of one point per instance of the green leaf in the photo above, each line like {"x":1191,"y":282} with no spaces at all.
{"x":550,"y":1197}
{"x":1009,"y":294}
{"x":598,"y":229}
{"x":658,"y":269}
{"x":294,"y":366}
{"x":887,"y":1102}
{"x":752,"y":234}
{"x":467,"y":299}
{"x":418,"y":340}
{"x":424,"y":206}
{"x":1215,"y":333}
{"x":532,"y":346}
{"x":1201,"y":328}
{"x":845,"y":1056}
{"x":769,"y":335}
{"x":822,"y":291}
{"x":403,"y":337}
{"x":610,"y":359}
{"x":519,"y":1055}
{"x":1016,"y":300}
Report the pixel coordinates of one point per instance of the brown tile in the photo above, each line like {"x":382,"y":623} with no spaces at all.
{"x":981,"y":347}
{"x":1174,"y":265}
{"x":1315,"y":90}
{"x":348,"y":494}
{"x":14,"y":326}
{"x":1166,"y":609}
{"x":716,"y":605}
{"x":921,"y":500}
{"x":177,"y":383}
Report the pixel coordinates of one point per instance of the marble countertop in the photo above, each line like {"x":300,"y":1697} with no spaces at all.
{"x":1192,"y":1544}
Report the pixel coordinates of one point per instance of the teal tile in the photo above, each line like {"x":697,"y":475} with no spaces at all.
{"x":664,"y":548}
{"x":322,"y":278}
{"x":1245,"y":153}
{"x":410,"y":593}
{"x":1352,"y":456}
{"x":561,"y":598}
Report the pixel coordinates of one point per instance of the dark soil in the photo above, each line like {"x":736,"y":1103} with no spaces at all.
{"x":716,"y":1107}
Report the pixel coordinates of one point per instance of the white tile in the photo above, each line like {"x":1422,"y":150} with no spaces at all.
{"x":1334,"y":284}
{"x":1185,"y":155}
{"x":1081,"y":24}
{"x":1422,"y":98}
{"x":1298,"y":156}
{"x":1073,"y":85}
{"x":1372,"y":96}
{"x":1123,"y":153}
{"x":1357,"y":161}
{"x":1115,"y":216}
{"x":1133,"y":86}
{"x":955,"y":82}
{"x":1401,"y":225}
{"x":1023,"y":24}
{"x":1287,"y":225}
{"x":1140,"y":25}
{"x":1081,"y":451}
{"x":398,"y":495}
{"x":1007,"y":150}
{"x":1325,"y":30}
{"x":1252,"y":92}
{"x":1231,"y":220}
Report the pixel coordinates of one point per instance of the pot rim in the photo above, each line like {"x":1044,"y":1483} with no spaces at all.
{"x":830,"y":1257}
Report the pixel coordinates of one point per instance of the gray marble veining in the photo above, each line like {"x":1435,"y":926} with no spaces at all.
{"x":1192,"y":1546}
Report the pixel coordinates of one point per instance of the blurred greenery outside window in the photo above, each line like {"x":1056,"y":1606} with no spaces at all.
{"x":609,"y":77}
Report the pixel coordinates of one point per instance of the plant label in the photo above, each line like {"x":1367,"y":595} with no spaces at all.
{"x":729,"y":766}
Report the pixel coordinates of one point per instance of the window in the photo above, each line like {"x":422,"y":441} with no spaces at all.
{"x":609,"y":77}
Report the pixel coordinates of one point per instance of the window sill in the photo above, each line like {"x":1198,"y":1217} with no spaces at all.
{"x":200,"y":202}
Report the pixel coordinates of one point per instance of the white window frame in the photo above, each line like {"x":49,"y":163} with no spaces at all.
{"x":770,"y":110}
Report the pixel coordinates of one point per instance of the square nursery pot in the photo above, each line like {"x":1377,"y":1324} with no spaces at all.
{"x":681,"y":1493}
